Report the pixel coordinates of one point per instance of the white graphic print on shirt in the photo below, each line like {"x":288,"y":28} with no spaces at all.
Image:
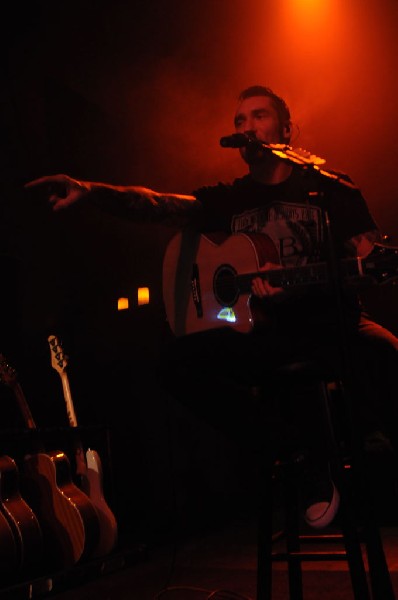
{"x":295,"y":229}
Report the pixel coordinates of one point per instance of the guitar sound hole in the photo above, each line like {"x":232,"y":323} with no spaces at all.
{"x":224,"y":285}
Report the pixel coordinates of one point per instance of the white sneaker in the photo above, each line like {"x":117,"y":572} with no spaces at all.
{"x":322,"y":502}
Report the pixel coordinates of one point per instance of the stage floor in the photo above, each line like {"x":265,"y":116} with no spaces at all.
{"x":220,"y":563}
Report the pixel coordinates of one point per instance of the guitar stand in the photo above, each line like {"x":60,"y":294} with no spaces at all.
{"x":45,"y":579}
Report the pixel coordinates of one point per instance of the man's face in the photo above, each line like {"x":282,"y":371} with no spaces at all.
{"x":258,"y":115}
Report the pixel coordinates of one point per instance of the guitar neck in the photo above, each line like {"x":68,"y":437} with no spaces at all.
{"x":70,"y":409}
{"x":81,"y":467}
{"x":305,"y":275}
{"x":23,"y":406}
{"x":8,"y":376}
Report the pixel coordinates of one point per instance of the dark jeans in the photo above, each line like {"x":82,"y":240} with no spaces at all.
{"x":216,"y":372}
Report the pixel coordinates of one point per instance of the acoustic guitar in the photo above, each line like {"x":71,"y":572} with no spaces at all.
{"x":67,"y":518}
{"x":88,"y":465}
{"x":207,"y":282}
{"x":21,"y":518}
{"x":9,"y":555}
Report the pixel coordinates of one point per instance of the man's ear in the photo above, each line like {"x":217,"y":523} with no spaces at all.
{"x":287,"y":131}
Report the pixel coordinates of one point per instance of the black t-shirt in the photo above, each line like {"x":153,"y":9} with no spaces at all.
{"x":292,"y":214}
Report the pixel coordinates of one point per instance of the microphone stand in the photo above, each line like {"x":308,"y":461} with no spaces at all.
{"x":380,"y":579}
{"x":379,"y":575}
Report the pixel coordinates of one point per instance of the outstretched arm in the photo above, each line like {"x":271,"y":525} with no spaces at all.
{"x":62,"y":191}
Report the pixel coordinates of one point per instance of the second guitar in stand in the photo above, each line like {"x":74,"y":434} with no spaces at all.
{"x":88,"y":464}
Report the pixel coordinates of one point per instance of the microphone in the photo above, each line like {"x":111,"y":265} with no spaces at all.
{"x":236,"y":140}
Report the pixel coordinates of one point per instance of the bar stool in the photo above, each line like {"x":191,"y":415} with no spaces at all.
{"x":358,"y":527}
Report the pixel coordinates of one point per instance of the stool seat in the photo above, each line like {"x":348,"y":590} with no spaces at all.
{"x":302,"y":371}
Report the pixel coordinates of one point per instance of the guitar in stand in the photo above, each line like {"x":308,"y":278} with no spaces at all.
{"x":88,"y":465}
{"x":9,"y":555}
{"x":66,"y":515}
{"x":19,"y":515}
{"x":21,"y":518}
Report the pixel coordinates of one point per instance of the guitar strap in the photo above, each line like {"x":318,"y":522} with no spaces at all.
{"x":186,"y":262}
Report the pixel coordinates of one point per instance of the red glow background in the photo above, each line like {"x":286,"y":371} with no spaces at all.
{"x":140,"y":93}
{"x":166,"y":75}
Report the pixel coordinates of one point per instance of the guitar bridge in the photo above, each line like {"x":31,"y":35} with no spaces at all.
{"x":195,"y":288}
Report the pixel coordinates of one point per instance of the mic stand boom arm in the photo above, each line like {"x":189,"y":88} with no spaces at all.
{"x":305,"y":160}
{"x":297,"y":157}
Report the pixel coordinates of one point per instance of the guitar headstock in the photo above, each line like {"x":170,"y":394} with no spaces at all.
{"x":8,"y":374}
{"x":296,"y":155}
{"x":59,"y":360}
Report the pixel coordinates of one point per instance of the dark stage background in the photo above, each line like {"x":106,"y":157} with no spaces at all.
{"x":139,"y":93}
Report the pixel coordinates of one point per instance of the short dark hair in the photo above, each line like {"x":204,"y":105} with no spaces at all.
{"x":280,"y":105}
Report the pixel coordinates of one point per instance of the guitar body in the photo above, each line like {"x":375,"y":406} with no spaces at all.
{"x":67,"y":517}
{"x":207,"y":281}
{"x":20,"y":516}
{"x":9,"y":558}
{"x":199,"y":288}
{"x":82,"y":503}
{"x":92,"y":485}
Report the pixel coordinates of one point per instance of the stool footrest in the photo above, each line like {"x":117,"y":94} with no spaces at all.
{"x":319,"y":539}
{"x":309,"y":556}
